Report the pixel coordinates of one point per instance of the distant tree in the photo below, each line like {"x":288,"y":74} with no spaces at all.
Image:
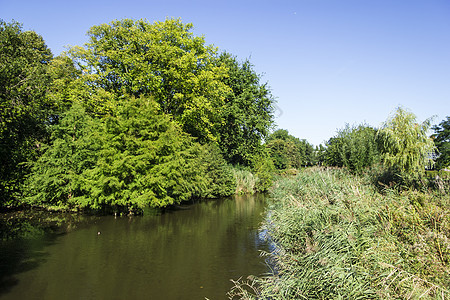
{"x":319,"y":157}
{"x":405,"y":145}
{"x":288,"y":151}
{"x":354,"y":148}
{"x":24,"y":110}
{"x":247,"y":114}
{"x":441,"y":138}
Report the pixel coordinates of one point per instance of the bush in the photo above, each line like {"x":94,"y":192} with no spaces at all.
{"x":264,"y":169}
{"x":354,"y":148}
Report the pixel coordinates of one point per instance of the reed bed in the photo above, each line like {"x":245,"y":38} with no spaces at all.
{"x":245,"y":180}
{"x":337,"y":236}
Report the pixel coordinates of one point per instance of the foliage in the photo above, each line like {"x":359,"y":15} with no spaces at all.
{"x":354,"y":148}
{"x":247,"y":114}
{"x":335,"y":237}
{"x":164,"y":60}
{"x":24,"y":60}
{"x":288,"y":151}
{"x":65,"y":87}
{"x":129,"y":160}
{"x":263,"y":170}
{"x":56,"y":177}
{"x":145,"y":160}
{"x":219,"y":177}
{"x":405,"y":146}
{"x":441,"y":138}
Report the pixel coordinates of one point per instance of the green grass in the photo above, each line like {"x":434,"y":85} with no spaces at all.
{"x":245,"y":180}
{"x":338,"y":237}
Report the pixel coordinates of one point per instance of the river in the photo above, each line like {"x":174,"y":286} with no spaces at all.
{"x":189,"y":253}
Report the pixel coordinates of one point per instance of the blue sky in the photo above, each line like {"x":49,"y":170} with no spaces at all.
{"x":328,"y":62}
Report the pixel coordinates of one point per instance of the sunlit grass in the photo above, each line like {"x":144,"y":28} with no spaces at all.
{"x":338,"y":236}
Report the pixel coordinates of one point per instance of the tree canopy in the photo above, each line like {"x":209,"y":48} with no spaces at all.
{"x":288,"y":151}
{"x":247,"y":114}
{"x":164,"y":60}
{"x":24,"y":109}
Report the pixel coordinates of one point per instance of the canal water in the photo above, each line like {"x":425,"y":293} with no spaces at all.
{"x":189,"y":253}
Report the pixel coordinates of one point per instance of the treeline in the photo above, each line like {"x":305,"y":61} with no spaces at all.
{"x":144,"y":114}
{"x":401,"y":148}
{"x":148,"y":114}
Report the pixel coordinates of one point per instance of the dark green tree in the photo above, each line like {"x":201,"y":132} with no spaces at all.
{"x":288,"y":151}
{"x":247,"y":115}
{"x":24,"y":110}
{"x":441,"y":139}
{"x":214,"y":168}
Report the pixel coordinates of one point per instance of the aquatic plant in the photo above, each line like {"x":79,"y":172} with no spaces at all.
{"x":337,"y":236}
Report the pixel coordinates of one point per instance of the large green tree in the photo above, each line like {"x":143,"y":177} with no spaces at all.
{"x":73,"y":148}
{"x":24,"y":109}
{"x":405,"y":145}
{"x":164,"y":60}
{"x":441,"y":138}
{"x":247,"y":114}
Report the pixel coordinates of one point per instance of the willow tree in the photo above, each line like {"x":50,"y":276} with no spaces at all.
{"x":405,"y":145}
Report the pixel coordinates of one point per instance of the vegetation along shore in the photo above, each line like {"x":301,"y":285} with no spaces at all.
{"x":147,"y":115}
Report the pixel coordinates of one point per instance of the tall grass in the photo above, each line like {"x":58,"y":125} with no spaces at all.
{"x":245,"y":180}
{"x":337,"y":236}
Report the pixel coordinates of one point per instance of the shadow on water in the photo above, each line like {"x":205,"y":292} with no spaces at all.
{"x":188,"y":252}
{"x":20,"y":256}
{"x":24,"y":237}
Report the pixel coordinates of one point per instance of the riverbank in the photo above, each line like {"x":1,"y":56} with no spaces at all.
{"x":340,"y":236}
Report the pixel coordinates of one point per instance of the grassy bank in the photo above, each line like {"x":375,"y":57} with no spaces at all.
{"x":339,"y":236}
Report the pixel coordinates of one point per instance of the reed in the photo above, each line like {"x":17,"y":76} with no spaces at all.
{"x":337,"y":236}
{"x":245,"y":180}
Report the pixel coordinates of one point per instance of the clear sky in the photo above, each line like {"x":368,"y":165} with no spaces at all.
{"x":328,"y":62}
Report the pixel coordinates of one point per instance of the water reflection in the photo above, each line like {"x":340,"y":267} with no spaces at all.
{"x":191,"y":253}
